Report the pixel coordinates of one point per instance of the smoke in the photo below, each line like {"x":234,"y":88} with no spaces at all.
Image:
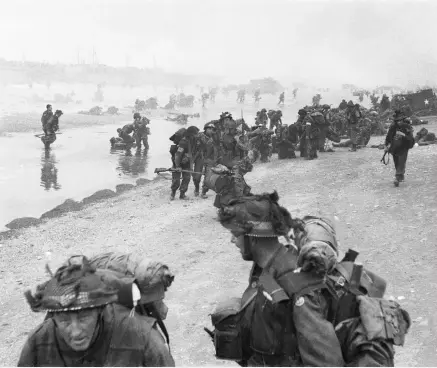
{"x":317,"y":42}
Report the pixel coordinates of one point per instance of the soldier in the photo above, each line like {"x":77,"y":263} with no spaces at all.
{"x":230,"y":147}
{"x":46,"y":115}
{"x":281,"y":98}
{"x":262,"y":117}
{"x":300,"y":127}
{"x":398,"y":142}
{"x":312,"y":132}
{"x":125,"y":134}
{"x":323,"y":128}
{"x":353,"y":115}
{"x":275,"y":119}
{"x":85,"y":326}
{"x":141,"y":131}
{"x":202,"y":140}
{"x":295,"y":311}
{"x":51,"y":127}
{"x":295,"y":92}
{"x":285,"y":142}
{"x":261,"y":139}
{"x":182,"y":160}
{"x":343,"y":105}
{"x":211,"y":153}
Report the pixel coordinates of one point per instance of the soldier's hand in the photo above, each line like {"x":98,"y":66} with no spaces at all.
{"x":178,"y":169}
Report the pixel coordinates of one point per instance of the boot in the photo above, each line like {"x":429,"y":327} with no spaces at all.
{"x":196,"y":192}
{"x":396,"y":182}
{"x":401,"y":177}
{"x":353,"y":148}
{"x":183,"y":196}
{"x":172,"y":195}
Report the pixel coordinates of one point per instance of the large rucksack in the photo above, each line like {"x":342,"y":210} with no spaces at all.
{"x":122,"y":270}
{"x":352,"y":292}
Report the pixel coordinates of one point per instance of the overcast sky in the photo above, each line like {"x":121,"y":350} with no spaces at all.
{"x":361,"y":42}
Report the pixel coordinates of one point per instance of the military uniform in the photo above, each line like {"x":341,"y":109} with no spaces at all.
{"x":300,"y":128}
{"x":311,"y":138}
{"x":125,"y":134}
{"x":323,"y":128}
{"x":275,"y":120}
{"x":286,"y":140}
{"x":46,"y":115}
{"x":399,"y":141}
{"x":210,"y":155}
{"x":288,"y":316}
{"x":50,"y":129}
{"x":142,"y":133}
{"x":353,"y":116}
{"x":111,"y":334}
{"x":181,"y":159}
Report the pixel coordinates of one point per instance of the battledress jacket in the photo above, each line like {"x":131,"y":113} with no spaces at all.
{"x":315,"y":341}
{"x":121,"y":341}
{"x":404,"y":143}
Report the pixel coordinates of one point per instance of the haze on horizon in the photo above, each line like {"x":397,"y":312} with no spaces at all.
{"x":320,"y":42}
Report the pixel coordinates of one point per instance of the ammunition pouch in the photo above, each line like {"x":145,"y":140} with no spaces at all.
{"x":384,"y":320}
{"x":173,"y":149}
{"x":231,"y":334}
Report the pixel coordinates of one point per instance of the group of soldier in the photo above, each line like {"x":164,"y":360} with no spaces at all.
{"x":135,"y":133}
{"x":304,"y":305}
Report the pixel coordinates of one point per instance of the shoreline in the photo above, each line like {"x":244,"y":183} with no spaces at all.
{"x":70,"y":205}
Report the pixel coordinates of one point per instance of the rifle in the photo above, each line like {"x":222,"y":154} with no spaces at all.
{"x":163,"y":169}
{"x":42,"y":134}
{"x":385,"y":154}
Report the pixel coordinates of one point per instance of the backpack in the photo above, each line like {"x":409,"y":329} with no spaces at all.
{"x":122,"y":270}
{"x":318,"y":118}
{"x":351,"y":290}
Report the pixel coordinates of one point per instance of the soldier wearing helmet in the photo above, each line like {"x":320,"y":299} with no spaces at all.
{"x":300,"y":127}
{"x":183,"y":160}
{"x":204,"y":156}
{"x":46,"y":115}
{"x":141,"y":131}
{"x":323,"y":128}
{"x":50,"y":128}
{"x":86,"y":325}
{"x":353,"y":115}
{"x":125,"y":134}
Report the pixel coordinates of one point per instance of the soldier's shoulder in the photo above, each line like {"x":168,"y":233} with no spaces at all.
{"x":138,"y":327}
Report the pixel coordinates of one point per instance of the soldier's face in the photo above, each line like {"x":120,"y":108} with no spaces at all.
{"x":209,"y":132}
{"x":243,"y":244}
{"x":50,"y":108}
{"x":77,"y":328}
